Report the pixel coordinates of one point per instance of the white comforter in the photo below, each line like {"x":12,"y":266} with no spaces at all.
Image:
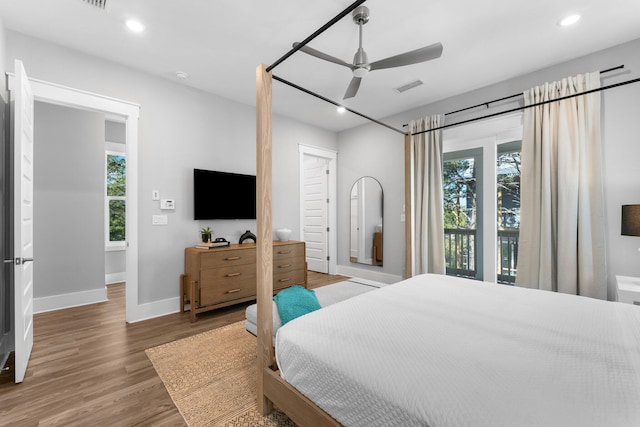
{"x":442,"y":351}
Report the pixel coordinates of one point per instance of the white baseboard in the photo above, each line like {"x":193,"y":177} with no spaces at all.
{"x":368,"y":274}
{"x":112,"y":278}
{"x":75,"y":299}
{"x":153,"y":309}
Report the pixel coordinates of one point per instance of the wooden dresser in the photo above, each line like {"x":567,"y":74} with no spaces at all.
{"x":215,"y":278}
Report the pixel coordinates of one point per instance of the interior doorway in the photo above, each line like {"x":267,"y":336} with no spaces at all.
{"x":128,"y":113}
{"x":318,"y":207}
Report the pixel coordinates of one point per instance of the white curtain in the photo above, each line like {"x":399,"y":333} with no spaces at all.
{"x":562,"y":238}
{"x":428,"y":216}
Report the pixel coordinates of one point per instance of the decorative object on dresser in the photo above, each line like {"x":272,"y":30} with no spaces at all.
{"x":219,"y":277}
{"x":283,"y":234}
{"x":247,"y":236}
{"x":205,"y":235}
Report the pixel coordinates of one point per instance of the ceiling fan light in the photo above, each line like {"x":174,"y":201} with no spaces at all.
{"x":360,"y":72}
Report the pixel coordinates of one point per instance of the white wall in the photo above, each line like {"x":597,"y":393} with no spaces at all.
{"x":180,"y":129}
{"x":68,"y":194}
{"x":371,"y":149}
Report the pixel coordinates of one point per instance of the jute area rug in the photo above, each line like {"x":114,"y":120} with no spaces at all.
{"x":211,"y":378}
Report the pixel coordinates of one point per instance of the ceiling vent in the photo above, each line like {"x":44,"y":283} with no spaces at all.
{"x":408,"y":86}
{"x":100,"y":4}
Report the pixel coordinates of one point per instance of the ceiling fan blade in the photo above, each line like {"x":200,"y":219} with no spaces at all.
{"x":313,"y":52}
{"x":412,"y":57}
{"x":353,"y":88}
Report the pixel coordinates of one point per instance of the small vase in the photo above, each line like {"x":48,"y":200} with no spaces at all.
{"x":206,"y":238}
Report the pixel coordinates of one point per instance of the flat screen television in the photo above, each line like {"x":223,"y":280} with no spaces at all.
{"x":223,"y":195}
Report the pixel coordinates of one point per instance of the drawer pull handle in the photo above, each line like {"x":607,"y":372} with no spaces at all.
{"x":284,"y":266}
{"x":284,"y":252}
{"x":233,"y":291}
{"x":232,"y":258}
{"x":286,"y":279}
{"x":233,"y":274}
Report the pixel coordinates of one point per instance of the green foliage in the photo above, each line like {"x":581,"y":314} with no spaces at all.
{"x":117,"y":220}
{"x":459,"y":191}
{"x":117,"y":187}
{"x":116,"y":175}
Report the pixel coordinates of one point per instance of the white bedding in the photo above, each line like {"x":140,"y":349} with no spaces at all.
{"x":441,"y":351}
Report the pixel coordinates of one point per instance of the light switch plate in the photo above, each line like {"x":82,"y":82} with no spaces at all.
{"x":155,"y":195}
{"x":167,"y":204}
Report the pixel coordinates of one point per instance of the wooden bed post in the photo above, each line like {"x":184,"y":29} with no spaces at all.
{"x":264,"y":235}
{"x":408,"y":210}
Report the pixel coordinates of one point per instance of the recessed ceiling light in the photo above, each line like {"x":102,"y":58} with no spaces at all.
{"x":569,"y":20}
{"x":135,"y":26}
{"x":341,"y":109}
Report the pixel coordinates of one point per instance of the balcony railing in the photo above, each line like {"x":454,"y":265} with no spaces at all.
{"x":461,"y":253}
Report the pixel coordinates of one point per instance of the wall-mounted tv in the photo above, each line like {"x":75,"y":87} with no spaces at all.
{"x":223,"y":195}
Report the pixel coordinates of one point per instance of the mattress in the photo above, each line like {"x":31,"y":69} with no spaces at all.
{"x":443,"y":351}
{"x":327,"y":295}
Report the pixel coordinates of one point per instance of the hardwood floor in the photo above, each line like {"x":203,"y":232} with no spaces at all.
{"x":89,"y":368}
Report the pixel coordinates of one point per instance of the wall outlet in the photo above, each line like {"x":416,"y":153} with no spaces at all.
{"x":155,"y":195}
{"x":159,"y":220}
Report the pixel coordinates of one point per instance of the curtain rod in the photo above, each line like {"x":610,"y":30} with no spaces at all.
{"x":530,"y":106}
{"x":316,"y":34}
{"x":516,"y":95}
{"x":307,"y":91}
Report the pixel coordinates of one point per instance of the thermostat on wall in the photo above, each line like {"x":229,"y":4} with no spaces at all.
{"x":167,"y":204}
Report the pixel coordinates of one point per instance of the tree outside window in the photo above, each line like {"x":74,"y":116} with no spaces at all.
{"x":116,"y":197}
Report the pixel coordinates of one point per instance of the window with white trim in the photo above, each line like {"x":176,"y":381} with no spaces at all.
{"x":115,"y":199}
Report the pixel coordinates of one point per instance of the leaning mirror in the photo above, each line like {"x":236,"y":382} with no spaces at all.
{"x":366,"y":222}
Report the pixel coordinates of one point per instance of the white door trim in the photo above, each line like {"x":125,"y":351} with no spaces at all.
{"x":62,"y":95}
{"x":332,"y":157}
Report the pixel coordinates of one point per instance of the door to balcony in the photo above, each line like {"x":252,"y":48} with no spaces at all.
{"x":481,"y":180}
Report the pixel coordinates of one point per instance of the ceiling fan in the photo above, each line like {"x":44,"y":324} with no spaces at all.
{"x":361,"y":65}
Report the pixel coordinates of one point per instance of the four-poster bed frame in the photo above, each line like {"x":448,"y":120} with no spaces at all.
{"x":271,"y":388}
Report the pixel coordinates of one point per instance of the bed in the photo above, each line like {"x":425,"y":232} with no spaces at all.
{"x":442,"y":351}
{"x":448,"y":351}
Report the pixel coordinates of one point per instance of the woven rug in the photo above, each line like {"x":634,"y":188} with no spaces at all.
{"x":211,"y":378}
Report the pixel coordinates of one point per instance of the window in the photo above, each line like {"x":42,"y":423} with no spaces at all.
{"x":115,"y":200}
{"x":508,"y":208}
{"x":481,"y":199}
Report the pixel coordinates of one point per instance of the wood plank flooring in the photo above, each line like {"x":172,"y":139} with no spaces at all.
{"x":89,"y":368}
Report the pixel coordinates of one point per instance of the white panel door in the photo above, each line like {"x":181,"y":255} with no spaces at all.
{"x":23,"y":220}
{"x":315,"y":214}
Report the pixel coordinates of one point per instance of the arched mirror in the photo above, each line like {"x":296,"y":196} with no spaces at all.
{"x":367,"y":206}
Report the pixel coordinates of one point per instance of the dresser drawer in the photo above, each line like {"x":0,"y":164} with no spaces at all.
{"x":287,"y":252}
{"x":226,"y":284}
{"x":227,"y":258}
{"x":290,"y":278}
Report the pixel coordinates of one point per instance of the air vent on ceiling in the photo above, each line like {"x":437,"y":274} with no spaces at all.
{"x":100,"y":4}
{"x":408,"y":86}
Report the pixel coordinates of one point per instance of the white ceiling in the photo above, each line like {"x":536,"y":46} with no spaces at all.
{"x":220,"y":44}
